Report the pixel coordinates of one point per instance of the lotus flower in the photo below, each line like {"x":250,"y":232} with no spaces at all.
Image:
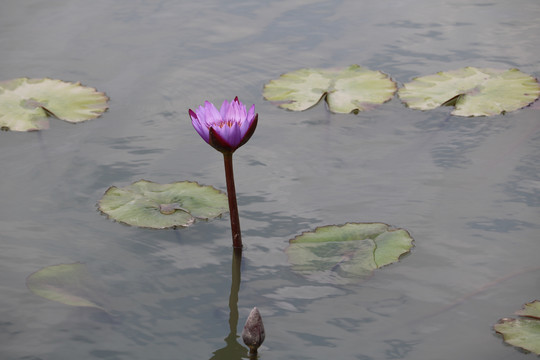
{"x":227,"y":129}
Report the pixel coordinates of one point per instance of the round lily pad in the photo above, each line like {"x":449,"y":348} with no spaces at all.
{"x":523,"y":332}
{"x":160,"y":206}
{"x":473,"y":91}
{"x":351,"y":89}
{"x":68,"y":284}
{"x":531,"y":310}
{"x":26,"y":104}
{"x":347,"y":253}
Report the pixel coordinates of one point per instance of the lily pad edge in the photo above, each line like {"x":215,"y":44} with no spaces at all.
{"x":47,"y":112}
{"x":452,"y":101}
{"x":522,"y":315}
{"x":390,"y":228}
{"x":166,"y":228}
{"x":86,"y":303}
{"x":324,"y":95}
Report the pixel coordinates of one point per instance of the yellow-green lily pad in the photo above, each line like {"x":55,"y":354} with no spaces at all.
{"x":26,"y":104}
{"x":68,"y":284}
{"x":160,"y":206}
{"x":523,"y":332}
{"x":347,"y":90}
{"x":472,"y":91}
{"x":531,"y":310}
{"x":347,"y":253}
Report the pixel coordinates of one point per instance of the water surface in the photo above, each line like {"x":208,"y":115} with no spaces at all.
{"x":468,"y":189}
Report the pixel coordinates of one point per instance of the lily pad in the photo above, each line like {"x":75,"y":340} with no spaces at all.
{"x":160,"y":206}
{"x":531,"y":310}
{"x":472,"y":91}
{"x":523,"y":332}
{"x":68,"y":284}
{"x":347,"y":253}
{"x":26,"y":104}
{"x":351,"y":89}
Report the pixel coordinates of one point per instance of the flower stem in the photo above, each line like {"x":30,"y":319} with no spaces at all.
{"x":233,"y":207}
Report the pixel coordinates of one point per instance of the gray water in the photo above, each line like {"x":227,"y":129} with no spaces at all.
{"x":467,"y":189}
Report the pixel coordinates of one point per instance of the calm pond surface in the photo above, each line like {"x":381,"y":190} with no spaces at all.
{"x":467,"y":189}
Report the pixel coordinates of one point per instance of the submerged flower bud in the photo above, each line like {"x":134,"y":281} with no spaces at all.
{"x":253,"y":333}
{"x":227,"y":129}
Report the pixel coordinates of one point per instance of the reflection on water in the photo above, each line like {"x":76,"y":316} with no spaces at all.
{"x":233,"y":350}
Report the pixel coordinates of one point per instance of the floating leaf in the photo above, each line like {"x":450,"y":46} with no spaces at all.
{"x":523,"y":332}
{"x":347,"y":253}
{"x":473,"y":91}
{"x":26,"y":103}
{"x":531,"y":310}
{"x":68,"y":284}
{"x":159,"y":206}
{"x":352,"y":89}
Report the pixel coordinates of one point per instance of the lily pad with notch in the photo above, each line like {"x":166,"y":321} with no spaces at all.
{"x":472,"y":91}
{"x":523,"y":332}
{"x":345,"y":90}
{"x":161,"y":206}
{"x":344,"y":254}
{"x":69,"y":284}
{"x":26,"y":104}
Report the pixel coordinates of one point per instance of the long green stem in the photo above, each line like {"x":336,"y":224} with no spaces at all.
{"x":233,"y":206}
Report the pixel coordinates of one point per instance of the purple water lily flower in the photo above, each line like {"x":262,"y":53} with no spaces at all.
{"x":227,"y":129}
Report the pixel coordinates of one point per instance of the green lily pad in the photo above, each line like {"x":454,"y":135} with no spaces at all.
{"x":68,"y":284}
{"x":160,"y":206}
{"x":347,"y":253}
{"x":351,"y":89}
{"x":523,"y":332}
{"x":531,"y":310}
{"x":473,"y":91}
{"x":26,"y":104}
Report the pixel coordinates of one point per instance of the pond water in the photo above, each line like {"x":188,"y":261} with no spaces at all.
{"x":467,"y":189}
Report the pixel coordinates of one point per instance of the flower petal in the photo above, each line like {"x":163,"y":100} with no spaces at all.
{"x":249,"y":120}
{"x":218,"y":143}
{"x":251,"y":113}
{"x":234,"y":136}
{"x":223,"y":110}
{"x":249,"y":131}
{"x":232,"y":114}
{"x":212,"y":115}
{"x":230,"y":133}
{"x":202,"y":129}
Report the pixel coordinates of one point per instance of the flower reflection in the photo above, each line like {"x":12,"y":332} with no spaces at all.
{"x":233,"y":350}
